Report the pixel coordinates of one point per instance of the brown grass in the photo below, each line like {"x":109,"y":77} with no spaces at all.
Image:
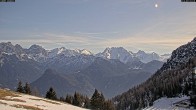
{"x":27,"y":107}
{"x":48,"y":101}
{"x":6,"y":93}
{"x":35,"y":99}
{"x":3,"y":103}
{"x":15,"y":100}
{"x":51,"y":102}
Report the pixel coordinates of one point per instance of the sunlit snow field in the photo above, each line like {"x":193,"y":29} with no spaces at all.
{"x":13,"y":101}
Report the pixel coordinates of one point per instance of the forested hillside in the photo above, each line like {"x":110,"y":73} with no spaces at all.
{"x":173,"y":79}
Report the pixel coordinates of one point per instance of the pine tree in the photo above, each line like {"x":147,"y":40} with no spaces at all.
{"x":77,"y":100}
{"x":87,"y":103}
{"x":97,"y":100}
{"x":69,"y":99}
{"x":27,"y":89}
{"x":102,"y":100}
{"x":108,"y":105}
{"x":20,"y":88}
{"x":51,"y":94}
{"x":62,"y":99}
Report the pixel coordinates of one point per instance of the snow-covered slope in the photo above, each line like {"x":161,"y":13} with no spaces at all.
{"x":38,"y":53}
{"x":14,"y":101}
{"x":117,"y":53}
{"x":124,"y":56}
{"x":67,"y":52}
{"x":169,"y":104}
{"x":148,"y":57}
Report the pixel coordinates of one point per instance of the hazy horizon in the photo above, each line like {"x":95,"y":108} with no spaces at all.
{"x":134,"y":51}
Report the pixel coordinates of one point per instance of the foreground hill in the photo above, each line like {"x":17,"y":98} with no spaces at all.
{"x":14,"y":101}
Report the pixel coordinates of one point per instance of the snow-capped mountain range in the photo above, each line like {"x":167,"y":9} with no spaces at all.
{"x":78,"y":70}
{"x":40,"y":54}
{"x":128,"y":56}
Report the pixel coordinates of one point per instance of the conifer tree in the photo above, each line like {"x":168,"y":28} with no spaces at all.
{"x":97,"y":100}
{"x":77,"y":100}
{"x":51,"y":94}
{"x":20,"y":88}
{"x":27,"y":89}
{"x":69,"y":99}
{"x":62,"y":99}
{"x":108,"y":105}
{"x":87,"y":103}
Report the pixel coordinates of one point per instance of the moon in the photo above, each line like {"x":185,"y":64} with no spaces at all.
{"x":156,"y":5}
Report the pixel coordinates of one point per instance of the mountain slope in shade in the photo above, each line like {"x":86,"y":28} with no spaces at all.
{"x":13,"y":69}
{"x":113,"y":77}
{"x":109,"y":76}
{"x":66,"y":84}
{"x":150,"y":67}
{"x":69,"y":65}
{"x":14,"y":101}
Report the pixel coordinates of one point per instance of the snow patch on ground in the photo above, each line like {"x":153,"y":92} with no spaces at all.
{"x":23,"y":102}
{"x":167,"y":104}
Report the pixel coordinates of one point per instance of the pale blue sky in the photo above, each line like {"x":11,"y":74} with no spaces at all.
{"x":97,"y":24}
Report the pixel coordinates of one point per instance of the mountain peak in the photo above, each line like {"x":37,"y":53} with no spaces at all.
{"x":85,"y":52}
{"x":141,"y":52}
{"x":117,"y":48}
{"x":35,"y":46}
{"x":7,"y":47}
{"x":116,"y":53}
{"x":5,"y":44}
{"x":114,"y":48}
{"x":60,"y":50}
{"x":18,"y":46}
